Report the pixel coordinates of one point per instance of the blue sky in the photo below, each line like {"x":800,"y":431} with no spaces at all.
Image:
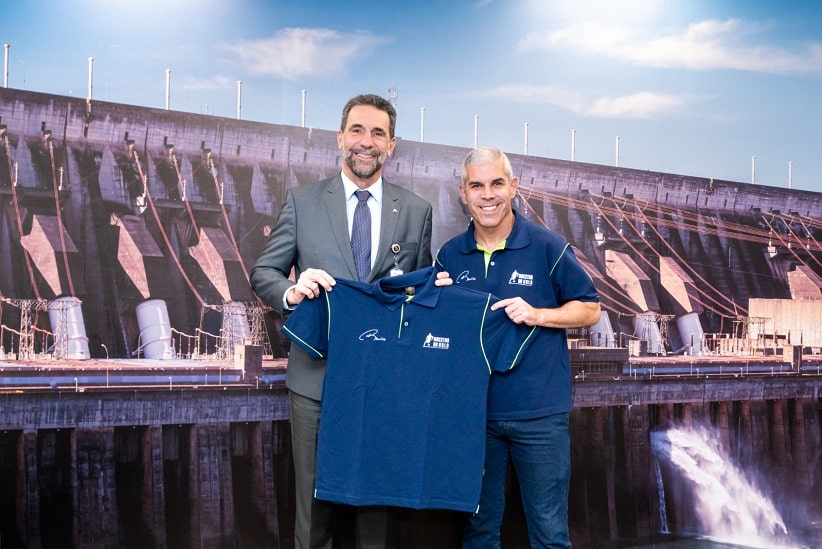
{"x":694,"y":87}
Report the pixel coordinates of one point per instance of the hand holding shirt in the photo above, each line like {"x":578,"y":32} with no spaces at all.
{"x":404,"y":400}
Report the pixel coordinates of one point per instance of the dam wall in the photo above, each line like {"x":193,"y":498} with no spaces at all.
{"x":146,"y":468}
{"x":770,"y":428}
{"x":119,"y":206}
{"x":211,"y":467}
{"x":116,"y":205}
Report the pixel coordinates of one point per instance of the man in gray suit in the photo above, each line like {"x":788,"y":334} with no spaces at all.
{"x":312,"y":235}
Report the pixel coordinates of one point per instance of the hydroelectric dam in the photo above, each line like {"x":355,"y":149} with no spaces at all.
{"x":141,"y":383}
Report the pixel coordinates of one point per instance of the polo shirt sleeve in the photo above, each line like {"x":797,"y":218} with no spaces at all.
{"x":308,"y":326}
{"x":503,"y":341}
{"x":570,"y":280}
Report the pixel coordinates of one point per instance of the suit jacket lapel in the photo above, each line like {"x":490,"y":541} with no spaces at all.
{"x":334,"y":198}
{"x":388,"y":228}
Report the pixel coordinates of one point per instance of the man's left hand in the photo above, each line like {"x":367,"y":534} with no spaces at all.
{"x":518,"y":310}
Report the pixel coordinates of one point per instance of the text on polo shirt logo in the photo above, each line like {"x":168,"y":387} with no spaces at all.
{"x":372,"y":334}
{"x":465,"y":276}
{"x":434,"y":342}
{"x":521,"y":279}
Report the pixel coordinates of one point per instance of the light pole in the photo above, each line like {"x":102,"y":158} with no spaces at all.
{"x":573,"y":144}
{"x":302,"y":116}
{"x":6,"y":65}
{"x":753,"y":169}
{"x":168,"y":88}
{"x":525,"y":145}
{"x":239,"y":99}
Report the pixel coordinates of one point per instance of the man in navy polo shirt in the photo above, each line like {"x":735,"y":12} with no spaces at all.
{"x":542,"y":284}
{"x":403,"y":416}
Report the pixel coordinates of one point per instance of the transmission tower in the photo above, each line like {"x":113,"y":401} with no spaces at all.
{"x":259,"y":334}
{"x":242,"y":322}
{"x":663,"y":320}
{"x":26,"y":350}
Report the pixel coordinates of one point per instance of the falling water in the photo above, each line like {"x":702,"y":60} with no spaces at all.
{"x":726,"y":504}
{"x":663,"y":511}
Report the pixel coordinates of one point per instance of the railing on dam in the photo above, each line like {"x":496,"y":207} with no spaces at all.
{"x":118,"y":406}
{"x":694,"y":389}
{"x":130,"y":406}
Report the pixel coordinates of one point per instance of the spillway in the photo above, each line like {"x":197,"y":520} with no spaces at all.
{"x":115,"y":205}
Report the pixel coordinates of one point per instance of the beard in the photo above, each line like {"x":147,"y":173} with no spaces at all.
{"x":363,"y":169}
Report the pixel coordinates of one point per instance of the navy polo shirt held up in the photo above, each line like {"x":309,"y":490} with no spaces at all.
{"x":404,"y":400}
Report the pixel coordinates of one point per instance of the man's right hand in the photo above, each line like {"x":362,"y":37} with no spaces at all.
{"x":308,"y":286}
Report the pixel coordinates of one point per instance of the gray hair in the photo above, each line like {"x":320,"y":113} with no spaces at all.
{"x":371,"y":100}
{"x":484,"y":155}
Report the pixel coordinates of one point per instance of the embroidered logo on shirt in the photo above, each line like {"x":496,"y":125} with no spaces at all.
{"x":434,"y":342}
{"x":465,"y":276}
{"x":521,"y":279}
{"x":372,"y":334}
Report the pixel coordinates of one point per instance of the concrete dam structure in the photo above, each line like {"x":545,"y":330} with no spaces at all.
{"x":210,"y":466}
{"x":133,"y":417}
{"x":108,"y":209}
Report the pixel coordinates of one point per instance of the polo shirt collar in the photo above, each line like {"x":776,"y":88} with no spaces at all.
{"x":520,"y":236}
{"x":389,"y":290}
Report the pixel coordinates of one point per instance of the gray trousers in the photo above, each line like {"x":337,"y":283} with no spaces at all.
{"x":320,"y":524}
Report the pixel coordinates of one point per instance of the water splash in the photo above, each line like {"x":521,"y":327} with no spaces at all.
{"x":728,"y":507}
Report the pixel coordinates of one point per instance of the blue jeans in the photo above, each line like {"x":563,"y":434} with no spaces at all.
{"x":540,"y":450}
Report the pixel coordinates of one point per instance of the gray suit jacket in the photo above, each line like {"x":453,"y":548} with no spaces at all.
{"x":312,"y":232}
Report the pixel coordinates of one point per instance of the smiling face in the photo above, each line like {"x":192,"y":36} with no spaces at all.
{"x":365,"y":143}
{"x":488,"y":192}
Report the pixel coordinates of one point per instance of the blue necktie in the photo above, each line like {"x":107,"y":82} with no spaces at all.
{"x":361,"y":236}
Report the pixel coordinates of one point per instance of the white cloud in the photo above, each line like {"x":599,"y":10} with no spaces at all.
{"x":638,"y":105}
{"x":218,"y":82}
{"x":704,"y":45}
{"x":545,"y":95}
{"x":294,"y":53}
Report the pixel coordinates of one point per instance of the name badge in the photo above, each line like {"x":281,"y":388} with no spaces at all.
{"x":395,"y":270}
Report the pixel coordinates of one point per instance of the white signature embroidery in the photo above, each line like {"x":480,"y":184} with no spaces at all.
{"x":465,"y":277}
{"x":371,"y":334}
